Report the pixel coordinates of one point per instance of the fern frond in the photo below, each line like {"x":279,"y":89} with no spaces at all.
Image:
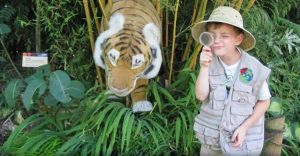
{"x":6,"y":13}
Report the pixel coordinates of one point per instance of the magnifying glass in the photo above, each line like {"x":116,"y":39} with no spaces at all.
{"x":206,"y":39}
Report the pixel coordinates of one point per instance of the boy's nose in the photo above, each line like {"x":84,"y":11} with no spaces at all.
{"x":217,"y":38}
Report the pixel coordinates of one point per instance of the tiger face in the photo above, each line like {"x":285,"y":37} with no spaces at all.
{"x":127,"y":55}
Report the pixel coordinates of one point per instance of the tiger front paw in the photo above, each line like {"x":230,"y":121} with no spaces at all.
{"x":142,"y":106}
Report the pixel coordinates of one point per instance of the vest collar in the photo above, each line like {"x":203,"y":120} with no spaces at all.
{"x":217,"y":68}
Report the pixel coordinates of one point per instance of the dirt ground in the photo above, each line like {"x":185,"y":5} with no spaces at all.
{"x":5,"y":129}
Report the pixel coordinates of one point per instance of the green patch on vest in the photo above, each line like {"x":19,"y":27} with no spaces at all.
{"x":246,"y":75}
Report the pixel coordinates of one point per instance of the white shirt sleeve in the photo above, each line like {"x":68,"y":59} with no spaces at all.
{"x":264,"y":92}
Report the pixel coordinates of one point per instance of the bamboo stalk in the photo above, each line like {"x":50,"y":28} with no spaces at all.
{"x":219,"y":3}
{"x":38,"y":27}
{"x":197,"y":49}
{"x":194,"y":57}
{"x":173,"y":42}
{"x":92,"y":41}
{"x":159,"y":11}
{"x":238,"y":5}
{"x":101,"y":4}
{"x":248,"y":7}
{"x":95,"y":15}
{"x":167,"y":24}
{"x":233,"y":2}
{"x":158,"y":6}
{"x":190,"y":39}
{"x":201,"y":11}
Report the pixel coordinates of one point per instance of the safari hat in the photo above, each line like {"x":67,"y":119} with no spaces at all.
{"x":229,"y":16}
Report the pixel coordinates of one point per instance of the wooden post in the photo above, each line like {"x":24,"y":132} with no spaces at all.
{"x":274,"y":128}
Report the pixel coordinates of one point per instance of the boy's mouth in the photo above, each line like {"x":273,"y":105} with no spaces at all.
{"x":216,"y":47}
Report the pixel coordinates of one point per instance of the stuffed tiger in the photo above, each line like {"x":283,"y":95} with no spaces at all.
{"x":129,"y":50}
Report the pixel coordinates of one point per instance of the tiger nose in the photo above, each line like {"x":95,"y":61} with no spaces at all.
{"x":120,"y":84}
{"x":122,"y":78}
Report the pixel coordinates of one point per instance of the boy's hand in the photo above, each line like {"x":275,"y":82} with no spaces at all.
{"x":238,"y":137}
{"x":205,"y":57}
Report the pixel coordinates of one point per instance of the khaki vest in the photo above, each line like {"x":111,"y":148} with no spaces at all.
{"x":221,"y":113}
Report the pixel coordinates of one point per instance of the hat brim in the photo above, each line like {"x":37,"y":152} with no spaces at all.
{"x":248,"y":41}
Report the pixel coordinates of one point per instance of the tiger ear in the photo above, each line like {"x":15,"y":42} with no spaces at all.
{"x":116,"y":23}
{"x":152,"y":35}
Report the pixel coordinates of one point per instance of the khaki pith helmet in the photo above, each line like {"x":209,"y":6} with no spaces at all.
{"x":229,"y":16}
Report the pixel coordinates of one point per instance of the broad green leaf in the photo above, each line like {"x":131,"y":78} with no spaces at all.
{"x":275,"y":107}
{"x":76,"y":89}
{"x":4,"y":29}
{"x":41,"y":71}
{"x":30,"y":90}
{"x":50,"y":100}
{"x":295,"y":129}
{"x":12,"y":91}
{"x":58,"y":82}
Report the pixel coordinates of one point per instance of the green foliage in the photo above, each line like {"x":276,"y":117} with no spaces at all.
{"x":12,"y":91}
{"x":61,"y":89}
{"x":278,"y":47}
{"x":100,"y":126}
{"x":278,"y":8}
{"x":65,"y":38}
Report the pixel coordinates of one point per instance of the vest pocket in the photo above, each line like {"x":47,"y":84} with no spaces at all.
{"x":208,"y":136}
{"x":254,"y":147}
{"x":239,"y":113}
{"x":211,"y":136}
{"x":242,"y":94}
{"x":219,"y":96}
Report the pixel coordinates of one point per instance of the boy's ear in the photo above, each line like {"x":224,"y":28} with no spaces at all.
{"x":239,"y":39}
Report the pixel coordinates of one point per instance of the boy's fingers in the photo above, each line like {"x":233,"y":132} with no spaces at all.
{"x":206,"y":49}
{"x":234,"y":137}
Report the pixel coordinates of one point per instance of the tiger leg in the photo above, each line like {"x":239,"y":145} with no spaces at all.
{"x":138,"y":96}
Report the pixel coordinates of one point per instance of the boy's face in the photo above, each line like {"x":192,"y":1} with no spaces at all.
{"x":226,"y":38}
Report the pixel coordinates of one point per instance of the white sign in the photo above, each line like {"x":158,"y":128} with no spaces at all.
{"x":30,"y":59}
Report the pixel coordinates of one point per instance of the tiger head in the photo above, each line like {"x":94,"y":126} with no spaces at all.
{"x":127,"y":55}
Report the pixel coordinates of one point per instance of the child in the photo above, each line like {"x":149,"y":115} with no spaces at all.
{"x":233,"y":87}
